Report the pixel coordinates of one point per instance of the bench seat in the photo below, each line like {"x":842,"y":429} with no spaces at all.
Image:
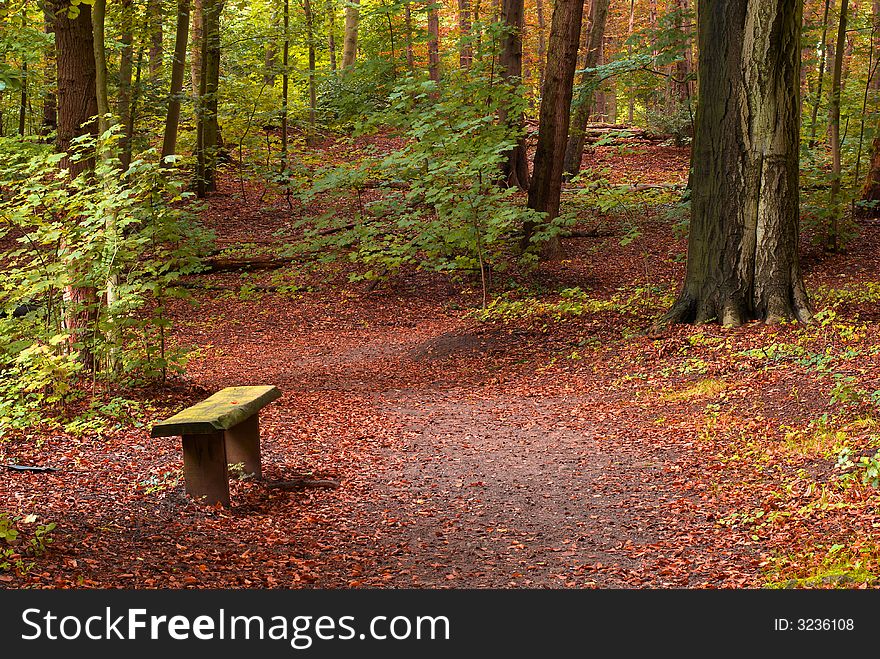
{"x":220,"y":430}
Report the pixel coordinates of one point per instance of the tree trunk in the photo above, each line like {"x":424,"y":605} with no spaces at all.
{"x":743,"y":245}
{"x":197,"y":31}
{"x":313,"y":102}
{"x":554,"y":116}
{"x":433,"y":44}
{"x":126,"y":66}
{"x":574,"y":149}
{"x":178,"y":68}
{"x":682,"y":85}
{"x":542,"y":42}
{"x":99,"y":12}
{"x":285,"y":85}
{"x":410,"y":55}
{"x":331,"y":33}
{"x":832,"y":231}
{"x":350,"y":42}
{"x":49,"y":123}
{"x":154,"y":27}
{"x":208,"y":129}
{"x":823,"y":50}
{"x":77,"y":104}
{"x":465,"y":50}
{"x":516,"y":168}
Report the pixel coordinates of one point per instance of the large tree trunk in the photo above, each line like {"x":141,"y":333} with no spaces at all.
{"x":77,"y":105}
{"x":574,"y":149}
{"x":545,"y":189}
{"x":743,"y":245}
{"x":516,"y":167}
{"x":178,"y":68}
{"x":350,"y":40}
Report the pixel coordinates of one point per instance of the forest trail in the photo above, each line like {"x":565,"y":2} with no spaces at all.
{"x":486,"y":473}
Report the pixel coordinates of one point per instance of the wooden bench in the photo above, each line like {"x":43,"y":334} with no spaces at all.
{"x":221,"y":430}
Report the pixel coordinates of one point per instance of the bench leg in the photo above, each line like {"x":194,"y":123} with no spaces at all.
{"x":243,"y":446}
{"x":204,"y":468}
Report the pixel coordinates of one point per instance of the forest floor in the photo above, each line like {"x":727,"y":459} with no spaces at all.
{"x":551,"y":444}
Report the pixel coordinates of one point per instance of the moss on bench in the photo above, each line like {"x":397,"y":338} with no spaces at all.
{"x":222,"y":411}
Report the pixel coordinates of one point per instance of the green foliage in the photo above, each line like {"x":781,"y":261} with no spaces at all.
{"x":864,"y":468}
{"x":127,"y":235}
{"x":437,"y":202}
{"x":22,"y":538}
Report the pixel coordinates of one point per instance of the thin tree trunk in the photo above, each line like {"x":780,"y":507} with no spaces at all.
{"x":23,"y":99}
{"x":682,"y":85}
{"x":126,"y":65}
{"x":832,"y":235}
{"x":331,"y":33}
{"x":823,"y":50}
{"x":410,"y":55}
{"x":743,"y":259}
{"x":313,"y":103}
{"x":154,"y":23}
{"x":516,"y":168}
{"x":465,"y":50}
{"x":208,"y":129}
{"x":285,"y":84}
{"x":178,"y":68}
{"x":350,"y":42}
{"x":197,"y":31}
{"x":574,"y":149}
{"x":542,"y":41}
{"x":433,"y":44}
{"x":99,"y":11}
{"x":554,"y":117}
{"x":49,"y":123}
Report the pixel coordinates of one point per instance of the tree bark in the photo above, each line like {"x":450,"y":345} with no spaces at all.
{"x":554,"y":117}
{"x":542,"y":41}
{"x":350,"y":42}
{"x":574,"y":150}
{"x":410,"y":54}
{"x":516,"y":167}
{"x":433,"y":44}
{"x":178,"y":68}
{"x":823,"y":56}
{"x":99,"y":11}
{"x":313,"y":103}
{"x":154,"y":27}
{"x":197,"y":30}
{"x":832,"y":230}
{"x":77,"y":105}
{"x":49,"y":121}
{"x":465,"y":50}
{"x":126,"y":69}
{"x":331,"y":33}
{"x":208,"y":128}
{"x":743,"y":259}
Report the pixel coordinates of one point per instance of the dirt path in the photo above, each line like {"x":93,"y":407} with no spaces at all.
{"x":485,"y":473}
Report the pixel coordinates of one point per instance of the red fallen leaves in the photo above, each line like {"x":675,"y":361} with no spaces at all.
{"x":498,"y":463}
